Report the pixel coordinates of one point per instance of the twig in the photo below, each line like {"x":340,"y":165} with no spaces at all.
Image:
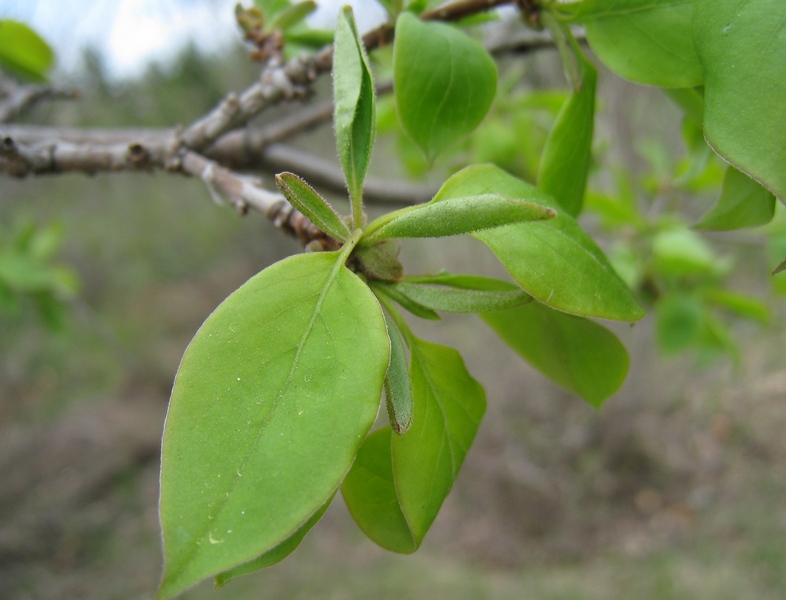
{"x":15,"y":98}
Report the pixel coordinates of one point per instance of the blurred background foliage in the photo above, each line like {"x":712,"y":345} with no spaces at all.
{"x":674,"y":490}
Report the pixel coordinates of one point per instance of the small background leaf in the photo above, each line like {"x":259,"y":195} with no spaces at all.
{"x":577,"y":353}
{"x":22,"y":50}
{"x":742,"y":48}
{"x":646,"y":41}
{"x":444,"y":82}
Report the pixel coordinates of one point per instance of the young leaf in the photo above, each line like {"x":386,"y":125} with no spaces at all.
{"x":577,"y":353}
{"x":291,"y":15}
{"x":646,"y":41}
{"x":462,"y":300}
{"x":370,"y":494}
{"x":353,"y":95}
{"x":554,"y":261}
{"x":379,"y":261}
{"x":465,"y":282}
{"x":272,"y":399}
{"x":276,"y":554}
{"x":743,"y":203}
{"x":304,"y":198}
{"x":565,"y":162}
{"x":742,"y":48}
{"x":448,"y":407}
{"x":389,"y":290}
{"x":398,"y":391}
{"x":453,"y":216}
{"x":444,"y":81}
{"x":24,"y":51}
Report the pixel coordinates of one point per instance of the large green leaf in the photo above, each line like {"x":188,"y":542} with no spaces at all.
{"x":453,"y":216}
{"x":370,"y":494}
{"x":742,"y":47}
{"x":448,"y":407}
{"x":272,"y":399}
{"x":554,"y":260}
{"x":646,"y":41}
{"x":577,"y":353}
{"x":565,"y":162}
{"x":354,"y":99}
{"x":743,"y":203}
{"x":22,"y":50}
{"x":444,"y":81}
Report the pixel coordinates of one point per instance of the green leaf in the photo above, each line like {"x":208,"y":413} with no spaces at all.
{"x":742,"y":48}
{"x":398,"y":390}
{"x":353,"y":95}
{"x":681,"y":252}
{"x":577,"y":353}
{"x":444,"y":81}
{"x":462,"y":300}
{"x":738,"y":304}
{"x":743,"y":203}
{"x":370,"y":494}
{"x":448,"y":407}
{"x":565,"y":162}
{"x":465,"y":282}
{"x":304,"y":198}
{"x":292,"y":15}
{"x":24,"y":51}
{"x":678,"y":322}
{"x":690,"y":100}
{"x":646,"y":41}
{"x":390,"y":291}
{"x":379,"y":261}
{"x":272,"y":399}
{"x":453,"y":216}
{"x":276,"y":554}
{"x":554,"y":261}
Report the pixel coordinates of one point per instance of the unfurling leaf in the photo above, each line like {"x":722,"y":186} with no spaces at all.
{"x":304,"y":198}
{"x":272,"y":399}
{"x":379,"y":261}
{"x":353,"y":95}
{"x":444,"y":82}
{"x":398,"y":389}
{"x":454,"y":216}
{"x":565,"y":162}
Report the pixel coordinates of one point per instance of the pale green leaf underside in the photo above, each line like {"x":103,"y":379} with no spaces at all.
{"x":646,"y":41}
{"x":554,"y":261}
{"x":391,"y":291}
{"x":565,"y":161}
{"x":353,"y":96}
{"x":272,"y":399}
{"x":743,"y":203}
{"x":742,"y":47}
{"x":448,"y":407}
{"x":453,"y":216}
{"x":577,"y":353}
{"x":444,"y":82}
{"x":370,"y":494}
